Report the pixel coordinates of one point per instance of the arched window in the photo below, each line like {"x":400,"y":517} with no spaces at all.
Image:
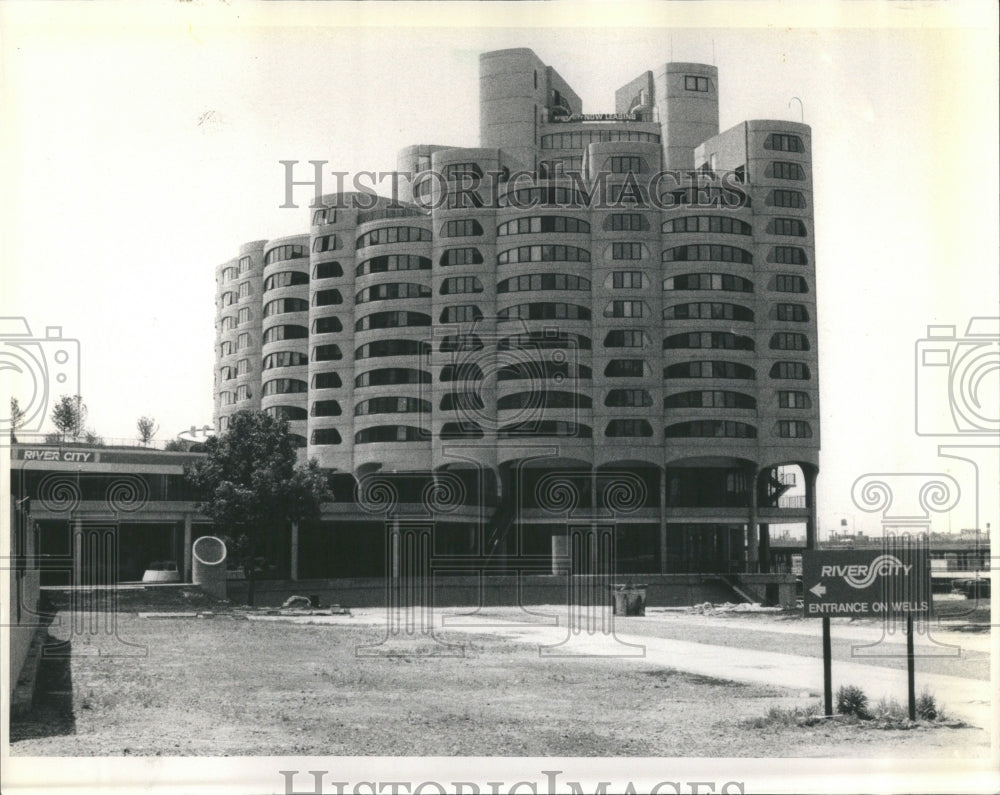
{"x":709,"y":369}
{"x":708,"y":310}
{"x":708,"y":281}
{"x":707,"y":429}
{"x":325,"y":436}
{"x":705,"y":252}
{"x":709,"y":399}
{"x":530,"y":282}
{"x":708,"y":339}
{"x":285,"y":279}
{"x":282,"y":306}
{"x":629,"y":428}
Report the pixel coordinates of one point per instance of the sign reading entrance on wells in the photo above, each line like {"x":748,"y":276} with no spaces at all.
{"x":866,"y":582}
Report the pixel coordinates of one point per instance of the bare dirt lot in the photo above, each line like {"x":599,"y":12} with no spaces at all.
{"x":225,"y":686}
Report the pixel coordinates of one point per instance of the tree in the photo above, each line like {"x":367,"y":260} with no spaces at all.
{"x":250,"y":486}
{"x":147,"y":428}
{"x":17,"y":419}
{"x":69,"y":415}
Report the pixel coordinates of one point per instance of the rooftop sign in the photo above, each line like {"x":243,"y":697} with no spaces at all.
{"x":596,"y":117}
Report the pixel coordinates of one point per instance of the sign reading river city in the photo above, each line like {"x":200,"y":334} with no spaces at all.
{"x":867,"y":582}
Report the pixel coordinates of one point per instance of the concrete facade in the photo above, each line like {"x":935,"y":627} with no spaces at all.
{"x":629,"y":326}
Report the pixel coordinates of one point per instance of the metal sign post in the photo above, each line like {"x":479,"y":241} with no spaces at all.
{"x":888,"y":582}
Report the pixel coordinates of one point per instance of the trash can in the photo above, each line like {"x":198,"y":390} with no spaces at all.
{"x":630,"y":600}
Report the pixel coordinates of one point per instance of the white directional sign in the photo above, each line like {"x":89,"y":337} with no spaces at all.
{"x":866,"y":582}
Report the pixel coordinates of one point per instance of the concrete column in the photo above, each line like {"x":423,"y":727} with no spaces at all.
{"x":753,"y":553}
{"x":727,"y":548}
{"x":77,"y":552}
{"x":663,"y":520}
{"x":294,"y":566}
{"x":764,"y":552}
{"x":187,"y":547}
{"x":810,"y":472}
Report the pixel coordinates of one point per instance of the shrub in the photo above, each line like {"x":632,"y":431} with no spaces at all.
{"x":927,"y":708}
{"x":852,"y":700}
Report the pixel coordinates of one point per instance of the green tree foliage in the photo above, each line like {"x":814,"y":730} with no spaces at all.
{"x":250,"y":486}
{"x":147,"y":428}
{"x":17,"y":418}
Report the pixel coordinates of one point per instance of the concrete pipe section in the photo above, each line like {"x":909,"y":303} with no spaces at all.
{"x":208,"y":558}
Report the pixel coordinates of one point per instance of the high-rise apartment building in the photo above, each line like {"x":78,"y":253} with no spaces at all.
{"x":597,"y":318}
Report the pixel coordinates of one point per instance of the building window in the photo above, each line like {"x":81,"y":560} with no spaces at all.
{"x":389,"y":433}
{"x":290,"y":413}
{"x":392,"y":376}
{"x":796,"y":313}
{"x":782,"y":170}
{"x":791,"y":399}
{"x":713,"y":224}
{"x":792,"y":227}
{"x":242,"y":367}
{"x":626,"y":164}
{"x":628,"y":398}
{"x":542,"y":224}
{"x":285,"y":359}
{"x":392,"y":292}
{"x":546,"y":428}
{"x":468,"y":172}
{"x":626,"y":280}
{"x":707,"y":253}
{"x":281,"y":306}
{"x":227,"y":374}
{"x":782,"y":142}
{"x":466,"y":372}
{"x":467,"y":227}
{"x":788,"y":341}
{"x":695,"y":83}
{"x":544,"y":398}
{"x":229,"y":274}
{"x":325,"y":436}
{"x":784,"y":283}
{"x":283,"y":279}
{"x":625,"y":368}
{"x":328,"y":270}
{"x":794,"y":371}
{"x":631,"y":428}
{"x":393,"y":234}
{"x":325,"y":215}
{"x":709,"y":399}
{"x":242,"y":342}
{"x":625,"y":338}
{"x":392,"y":405}
{"x":400,"y":319}
{"x":708,"y":281}
{"x":325,"y":243}
{"x":277,"y":333}
{"x":543,"y":340}
{"x":244,"y":316}
{"x":227,"y":299}
{"x":227,"y":323}
{"x":788,"y":255}
{"x":226,"y":348}
{"x":227,"y":398}
{"x":627,"y":222}
{"x":463,"y":313}
{"x":786,"y":198}
{"x":284,"y":386}
{"x":327,"y":353}
{"x":579,"y":140}
{"x":708,"y":310}
{"x":393,"y":262}
{"x":529,"y":371}
{"x":708,"y":339}
{"x":327,"y":325}
{"x":625,"y":309}
{"x":325,"y":408}
{"x":543,"y":281}
{"x":244,"y":265}
{"x":245,"y":289}
{"x":707,"y":429}
{"x":466,"y":429}
{"x":709,"y":369}
{"x":468,"y":401}
{"x":626,"y":251}
{"x":281,"y":253}
{"x":455,"y":285}
{"x":461,"y":256}
{"x":544,"y":311}
{"x":381,"y":348}
{"x":327,"y":298}
{"x":326,"y":381}
{"x":794,"y":429}
{"x":546,"y":253}
{"x":243,"y":392}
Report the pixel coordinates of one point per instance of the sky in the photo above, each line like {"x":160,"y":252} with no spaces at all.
{"x":141,"y":147}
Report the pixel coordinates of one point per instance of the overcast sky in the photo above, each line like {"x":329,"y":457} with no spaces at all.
{"x":141,"y":151}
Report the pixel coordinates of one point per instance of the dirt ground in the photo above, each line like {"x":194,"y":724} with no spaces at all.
{"x":225,"y":686}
